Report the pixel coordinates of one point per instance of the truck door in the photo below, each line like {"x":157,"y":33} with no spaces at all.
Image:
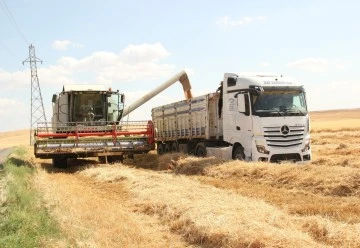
{"x":243,"y":122}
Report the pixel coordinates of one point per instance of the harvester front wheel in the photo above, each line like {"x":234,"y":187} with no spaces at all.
{"x":115,"y":159}
{"x":102,"y":159}
{"x":59,"y":162}
{"x":111,"y":159}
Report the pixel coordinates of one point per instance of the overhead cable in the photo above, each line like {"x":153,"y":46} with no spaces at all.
{"x":12,"y":19}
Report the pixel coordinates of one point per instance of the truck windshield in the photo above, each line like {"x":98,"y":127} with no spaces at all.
{"x":283,"y":103}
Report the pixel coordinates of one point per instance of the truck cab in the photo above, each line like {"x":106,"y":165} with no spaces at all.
{"x":265,"y":118}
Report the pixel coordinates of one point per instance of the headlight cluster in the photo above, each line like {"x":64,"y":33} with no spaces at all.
{"x":306,"y":147}
{"x":262,"y":149}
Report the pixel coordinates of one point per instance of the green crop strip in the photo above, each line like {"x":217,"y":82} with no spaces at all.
{"x":24,"y":221}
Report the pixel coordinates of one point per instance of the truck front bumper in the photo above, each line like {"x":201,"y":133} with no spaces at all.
{"x":277,"y":155}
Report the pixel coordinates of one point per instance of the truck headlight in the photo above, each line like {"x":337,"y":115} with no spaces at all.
{"x":306,"y":147}
{"x":261,"y":149}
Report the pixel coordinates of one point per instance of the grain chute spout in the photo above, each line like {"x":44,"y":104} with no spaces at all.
{"x":182,"y":77}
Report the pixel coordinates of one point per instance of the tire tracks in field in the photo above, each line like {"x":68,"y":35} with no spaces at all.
{"x":211,"y":217}
{"x":293,"y":201}
{"x":97,"y":203}
{"x":100,"y":214}
{"x":295,"y":190}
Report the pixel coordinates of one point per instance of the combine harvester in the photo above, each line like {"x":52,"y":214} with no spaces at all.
{"x":88,"y":121}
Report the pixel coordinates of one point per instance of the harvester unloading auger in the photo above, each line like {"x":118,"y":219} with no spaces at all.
{"x":88,"y":121}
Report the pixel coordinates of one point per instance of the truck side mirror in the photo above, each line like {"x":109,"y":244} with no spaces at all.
{"x":243,"y":103}
{"x":231,"y":81}
{"x":54,"y":98}
{"x":122,"y":98}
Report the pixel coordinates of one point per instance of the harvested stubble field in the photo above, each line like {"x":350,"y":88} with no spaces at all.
{"x":182,"y":201}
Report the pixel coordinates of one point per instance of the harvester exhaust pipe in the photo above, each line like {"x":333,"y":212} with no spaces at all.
{"x":181,"y":76}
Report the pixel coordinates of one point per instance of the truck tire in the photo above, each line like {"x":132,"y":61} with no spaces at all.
{"x":160,"y":149}
{"x":59,"y":162}
{"x":238,"y":153}
{"x":200,"y":150}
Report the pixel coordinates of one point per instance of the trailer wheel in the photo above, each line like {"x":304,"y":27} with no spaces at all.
{"x":60,"y":162}
{"x":200,"y":150}
{"x":238,"y":153}
{"x":160,"y":149}
{"x":175,"y":147}
{"x":167,"y":148}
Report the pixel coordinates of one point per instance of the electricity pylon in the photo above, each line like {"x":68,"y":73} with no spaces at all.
{"x":37,"y":106}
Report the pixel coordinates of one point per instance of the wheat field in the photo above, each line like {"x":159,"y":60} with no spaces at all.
{"x":178,"y":200}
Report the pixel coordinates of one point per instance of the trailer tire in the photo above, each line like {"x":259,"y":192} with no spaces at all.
{"x":238,"y":153}
{"x":160,"y":149}
{"x":200,"y":150}
{"x":59,"y":162}
{"x":175,"y":147}
{"x":167,"y":148}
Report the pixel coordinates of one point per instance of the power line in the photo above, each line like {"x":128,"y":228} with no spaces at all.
{"x":12,"y":19}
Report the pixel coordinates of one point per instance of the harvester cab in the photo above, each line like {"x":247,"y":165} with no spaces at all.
{"x":87,"y":104}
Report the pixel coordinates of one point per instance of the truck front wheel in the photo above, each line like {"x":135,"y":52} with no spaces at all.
{"x":200,"y":150}
{"x":238,"y":153}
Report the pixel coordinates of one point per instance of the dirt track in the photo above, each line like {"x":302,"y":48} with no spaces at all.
{"x":4,"y":153}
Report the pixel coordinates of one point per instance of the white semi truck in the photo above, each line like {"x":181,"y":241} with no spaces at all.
{"x":252,"y":118}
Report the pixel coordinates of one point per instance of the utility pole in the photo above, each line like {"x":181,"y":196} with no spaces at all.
{"x":37,"y":106}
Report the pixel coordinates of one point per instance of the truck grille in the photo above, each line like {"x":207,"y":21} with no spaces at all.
{"x":284,"y":136}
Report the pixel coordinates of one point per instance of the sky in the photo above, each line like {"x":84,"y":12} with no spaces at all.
{"x":134,"y":46}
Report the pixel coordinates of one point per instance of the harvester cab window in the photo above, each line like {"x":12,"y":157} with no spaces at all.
{"x":89,"y":107}
{"x":115,"y":106}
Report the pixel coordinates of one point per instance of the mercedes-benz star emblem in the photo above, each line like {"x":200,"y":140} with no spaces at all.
{"x":285,"y":130}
